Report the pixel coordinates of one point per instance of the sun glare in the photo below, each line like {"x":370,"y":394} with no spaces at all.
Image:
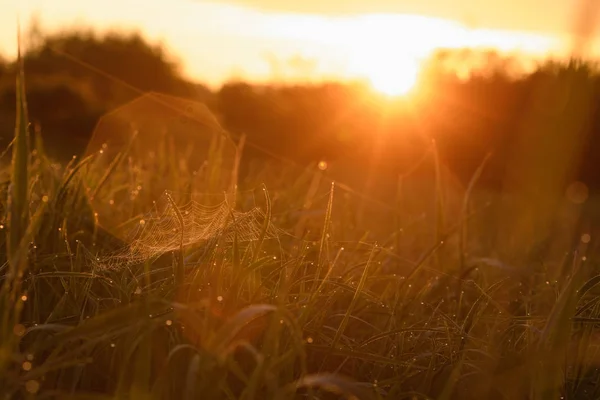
{"x":393,"y":79}
{"x":392,"y":74}
{"x":388,"y":53}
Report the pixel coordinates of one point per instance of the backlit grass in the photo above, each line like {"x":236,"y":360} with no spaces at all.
{"x":353,"y":297}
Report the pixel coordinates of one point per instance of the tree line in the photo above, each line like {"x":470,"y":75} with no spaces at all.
{"x":74,"y":78}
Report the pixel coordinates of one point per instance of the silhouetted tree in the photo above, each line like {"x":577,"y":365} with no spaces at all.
{"x":74,"y":77}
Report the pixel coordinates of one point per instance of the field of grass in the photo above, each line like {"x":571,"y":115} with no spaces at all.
{"x":285,"y":287}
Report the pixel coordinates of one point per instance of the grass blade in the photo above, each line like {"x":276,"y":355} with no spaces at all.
{"x":18,"y":197}
{"x":333,"y":383}
{"x":180,"y":268}
{"x":265,"y":226}
{"x":325,"y":233}
{"x":359,"y":287}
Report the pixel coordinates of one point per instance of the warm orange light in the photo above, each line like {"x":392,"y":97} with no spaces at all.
{"x":387,"y":49}
{"x":382,"y":48}
{"x":393,"y":78}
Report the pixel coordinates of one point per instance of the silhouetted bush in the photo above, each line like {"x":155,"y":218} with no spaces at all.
{"x":75,"y":77}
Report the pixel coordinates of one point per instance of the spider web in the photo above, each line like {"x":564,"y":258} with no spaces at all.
{"x":159,"y":176}
{"x":169,"y":228}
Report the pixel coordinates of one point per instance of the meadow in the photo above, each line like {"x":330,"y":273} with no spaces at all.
{"x":151,"y":267}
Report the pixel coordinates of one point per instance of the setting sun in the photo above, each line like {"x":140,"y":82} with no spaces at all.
{"x":388,"y":53}
{"x":392,"y":77}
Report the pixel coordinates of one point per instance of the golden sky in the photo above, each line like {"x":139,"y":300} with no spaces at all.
{"x":498,"y":14}
{"x":307,"y":39}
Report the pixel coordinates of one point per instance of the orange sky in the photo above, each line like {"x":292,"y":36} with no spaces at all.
{"x":309,"y":39}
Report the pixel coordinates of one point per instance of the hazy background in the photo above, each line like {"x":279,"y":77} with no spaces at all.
{"x":265,"y":40}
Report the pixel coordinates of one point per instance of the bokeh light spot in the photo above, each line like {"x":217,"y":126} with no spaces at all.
{"x":577,"y":192}
{"x":32,"y":386}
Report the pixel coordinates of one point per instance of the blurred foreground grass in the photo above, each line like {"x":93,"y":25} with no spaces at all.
{"x":324,"y":293}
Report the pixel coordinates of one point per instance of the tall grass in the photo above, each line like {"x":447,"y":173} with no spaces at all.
{"x":318,"y":312}
{"x":17,"y":220}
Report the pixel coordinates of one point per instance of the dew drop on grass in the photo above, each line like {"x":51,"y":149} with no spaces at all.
{"x":586,"y":238}
{"x":24,"y":298}
{"x":19,"y":330}
{"x":219,"y":298}
{"x":309,"y":340}
{"x":577,"y":192}
{"x":45,"y":198}
{"x":112,"y":345}
{"x":26,"y":366}
{"x":32,"y":386}
{"x":169,"y":322}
